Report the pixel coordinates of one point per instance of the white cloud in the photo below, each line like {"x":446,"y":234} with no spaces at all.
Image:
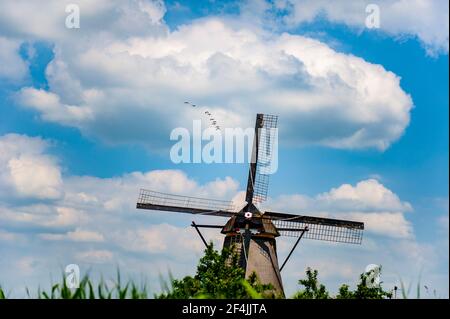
{"x":426,"y":20}
{"x":78,"y":234}
{"x":45,"y":215}
{"x":85,"y":206}
{"x":368,"y":201}
{"x":12,"y":67}
{"x":163,"y":239}
{"x":25,"y":167}
{"x":367,"y":195}
{"x":155,"y":10}
{"x":46,"y":19}
{"x":390,"y":224}
{"x":111,"y":82}
{"x":95,"y":256}
{"x":51,"y":108}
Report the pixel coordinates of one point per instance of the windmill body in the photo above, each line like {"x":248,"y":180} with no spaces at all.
{"x":249,"y":231}
{"x":254,"y":243}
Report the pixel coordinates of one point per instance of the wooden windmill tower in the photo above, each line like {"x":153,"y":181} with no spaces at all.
{"x":252,"y":232}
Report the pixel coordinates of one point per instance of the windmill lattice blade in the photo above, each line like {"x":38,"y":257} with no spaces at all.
{"x":153,"y":200}
{"x":265,"y":155}
{"x":328,"y":229}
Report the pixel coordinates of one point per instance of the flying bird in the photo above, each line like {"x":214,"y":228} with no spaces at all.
{"x":193,"y":105}
{"x":213,"y":121}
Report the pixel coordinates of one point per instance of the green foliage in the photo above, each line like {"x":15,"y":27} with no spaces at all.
{"x":88,"y":290}
{"x":313,"y":290}
{"x":218,"y":276}
{"x":406,"y":292}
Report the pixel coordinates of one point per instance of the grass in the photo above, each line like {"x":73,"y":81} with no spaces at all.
{"x":88,"y":289}
{"x":117,"y":289}
{"x":407,"y":291}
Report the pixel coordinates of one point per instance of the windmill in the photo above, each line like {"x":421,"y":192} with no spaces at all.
{"x":250,"y":231}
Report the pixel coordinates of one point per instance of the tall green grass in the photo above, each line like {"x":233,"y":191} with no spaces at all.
{"x":88,"y":289}
{"x":118,"y":289}
{"x":406,"y":292}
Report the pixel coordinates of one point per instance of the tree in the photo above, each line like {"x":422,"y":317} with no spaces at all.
{"x":218,"y":276}
{"x":313,"y":290}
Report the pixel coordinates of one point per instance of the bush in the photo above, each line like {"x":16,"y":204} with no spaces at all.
{"x":313,"y":290}
{"x":218,"y":276}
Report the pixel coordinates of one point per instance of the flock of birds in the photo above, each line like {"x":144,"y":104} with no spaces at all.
{"x":213,"y":122}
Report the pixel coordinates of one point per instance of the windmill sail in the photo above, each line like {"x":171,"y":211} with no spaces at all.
{"x":262,"y":158}
{"x":335,"y":230}
{"x":153,"y":200}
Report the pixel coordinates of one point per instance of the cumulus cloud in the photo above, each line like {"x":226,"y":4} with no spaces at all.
{"x":12,"y":67}
{"x":51,"y":108}
{"x":25,"y":167}
{"x":45,"y":20}
{"x":83,"y":200}
{"x":426,"y":20}
{"x":78,"y":234}
{"x":73,"y":202}
{"x":163,"y":239}
{"x":112,"y":82}
{"x":368,"y":201}
{"x":95,"y":256}
{"x":52,"y":216}
{"x":367,"y":195}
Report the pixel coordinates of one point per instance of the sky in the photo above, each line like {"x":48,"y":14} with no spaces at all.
{"x":86,"y":115}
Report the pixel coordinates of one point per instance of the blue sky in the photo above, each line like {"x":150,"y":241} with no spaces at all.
{"x":86,"y":110}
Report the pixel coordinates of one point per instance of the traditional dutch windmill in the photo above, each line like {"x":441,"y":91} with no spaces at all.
{"x":251,"y":231}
